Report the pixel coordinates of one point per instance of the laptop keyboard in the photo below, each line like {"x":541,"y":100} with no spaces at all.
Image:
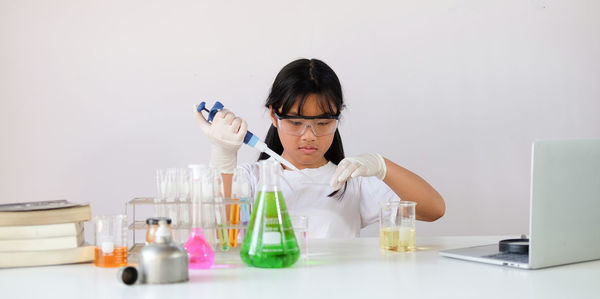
{"x":512,"y":257}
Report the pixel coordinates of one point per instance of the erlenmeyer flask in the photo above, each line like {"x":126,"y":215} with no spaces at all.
{"x":200,"y":254}
{"x":270,"y":241}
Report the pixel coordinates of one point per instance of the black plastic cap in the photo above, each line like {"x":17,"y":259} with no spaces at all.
{"x":128,"y":275}
{"x":155,"y":220}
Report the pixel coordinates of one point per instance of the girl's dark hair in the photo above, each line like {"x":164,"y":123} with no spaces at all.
{"x":294,"y":83}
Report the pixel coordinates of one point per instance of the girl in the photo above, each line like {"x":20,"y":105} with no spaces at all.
{"x":305,"y":104}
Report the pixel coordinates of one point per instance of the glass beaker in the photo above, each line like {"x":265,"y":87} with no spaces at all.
{"x":270,"y":241}
{"x":397,"y":226}
{"x":300,"y":224}
{"x":110,"y":234}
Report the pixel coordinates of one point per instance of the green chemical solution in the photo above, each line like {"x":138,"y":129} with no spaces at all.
{"x":270,"y":241}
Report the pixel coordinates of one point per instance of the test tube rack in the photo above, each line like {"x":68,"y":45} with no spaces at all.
{"x":140,"y":208}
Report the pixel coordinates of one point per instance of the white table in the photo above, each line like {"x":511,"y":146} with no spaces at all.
{"x":335,"y":269}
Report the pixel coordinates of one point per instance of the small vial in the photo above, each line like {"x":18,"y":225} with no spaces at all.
{"x":152,"y":227}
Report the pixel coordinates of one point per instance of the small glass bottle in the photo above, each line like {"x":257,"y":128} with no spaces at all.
{"x":270,"y":241}
{"x":152,"y":226}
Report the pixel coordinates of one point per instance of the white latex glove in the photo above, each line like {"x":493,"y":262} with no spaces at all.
{"x":362,"y":165}
{"x":226,"y":134}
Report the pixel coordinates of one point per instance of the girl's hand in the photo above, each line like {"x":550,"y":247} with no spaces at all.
{"x":362,"y":165}
{"x":226,"y":134}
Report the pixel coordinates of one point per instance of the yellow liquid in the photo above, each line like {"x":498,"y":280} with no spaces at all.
{"x":397,"y":239}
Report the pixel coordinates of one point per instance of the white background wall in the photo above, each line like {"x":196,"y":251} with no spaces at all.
{"x":95,"y":95}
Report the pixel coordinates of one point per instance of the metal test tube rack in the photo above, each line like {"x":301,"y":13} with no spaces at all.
{"x":139,"y":209}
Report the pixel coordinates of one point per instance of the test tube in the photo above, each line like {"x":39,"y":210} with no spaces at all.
{"x":160,"y":201}
{"x":213,"y":209}
{"x":183,"y":207}
{"x":240,"y":191}
{"x":171,"y":195}
{"x":220,"y":211}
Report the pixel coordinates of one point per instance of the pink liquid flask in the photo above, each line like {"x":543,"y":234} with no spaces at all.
{"x":201,"y":255}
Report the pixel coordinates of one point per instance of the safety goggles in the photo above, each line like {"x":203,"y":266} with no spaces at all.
{"x":296,"y":125}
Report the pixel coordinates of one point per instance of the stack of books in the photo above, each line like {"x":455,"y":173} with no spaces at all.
{"x":43,"y":233}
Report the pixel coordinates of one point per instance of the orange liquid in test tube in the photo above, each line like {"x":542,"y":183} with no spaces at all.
{"x":234,"y":220}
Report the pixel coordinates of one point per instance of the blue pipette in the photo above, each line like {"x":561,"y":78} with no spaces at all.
{"x":250,"y":139}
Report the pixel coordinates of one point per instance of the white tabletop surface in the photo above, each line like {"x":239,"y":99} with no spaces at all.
{"x":334,"y":269}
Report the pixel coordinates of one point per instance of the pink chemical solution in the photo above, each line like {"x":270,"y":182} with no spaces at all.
{"x":201,"y":255}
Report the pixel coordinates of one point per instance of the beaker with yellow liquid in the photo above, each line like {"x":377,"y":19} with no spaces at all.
{"x":397,"y":226}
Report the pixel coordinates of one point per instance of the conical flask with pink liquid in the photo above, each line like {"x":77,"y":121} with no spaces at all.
{"x":200,"y":254}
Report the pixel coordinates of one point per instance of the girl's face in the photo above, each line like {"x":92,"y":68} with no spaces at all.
{"x":308,"y":150}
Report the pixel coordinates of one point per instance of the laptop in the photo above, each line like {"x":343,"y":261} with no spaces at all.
{"x":564,"y":219}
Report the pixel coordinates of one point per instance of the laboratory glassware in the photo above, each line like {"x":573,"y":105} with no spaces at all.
{"x":239,"y":214}
{"x":213,"y":209}
{"x":270,"y":241}
{"x":110,"y":234}
{"x":183,"y":205}
{"x":397,"y":225}
{"x":300,"y":225}
{"x":200,"y":254}
{"x":173,"y":200}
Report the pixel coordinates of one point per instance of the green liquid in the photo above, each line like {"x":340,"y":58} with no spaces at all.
{"x":270,"y":241}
